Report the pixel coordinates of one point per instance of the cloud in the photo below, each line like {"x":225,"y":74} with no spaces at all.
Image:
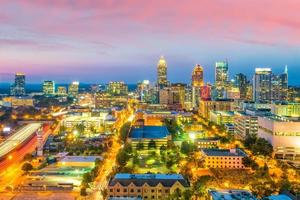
{"x":110,"y":31}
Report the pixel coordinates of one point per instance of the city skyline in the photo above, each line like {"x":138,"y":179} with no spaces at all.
{"x":83,"y":39}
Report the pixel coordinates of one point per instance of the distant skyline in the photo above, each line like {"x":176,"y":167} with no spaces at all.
{"x":99,"y":41}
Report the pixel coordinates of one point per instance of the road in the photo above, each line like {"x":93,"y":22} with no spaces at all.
{"x":18,"y":138}
{"x":110,"y":162}
{"x":10,"y":168}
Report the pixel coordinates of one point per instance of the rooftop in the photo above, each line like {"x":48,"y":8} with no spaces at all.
{"x":166,"y":180}
{"x":80,"y":158}
{"x":231,"y":195}
{"x":279,"y":197}
{"x":224,"y":152}
{"x":150,"y":132}
{"x":224,"y":113}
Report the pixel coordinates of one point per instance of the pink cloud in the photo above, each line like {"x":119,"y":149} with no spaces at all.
{"x":133,"y":19}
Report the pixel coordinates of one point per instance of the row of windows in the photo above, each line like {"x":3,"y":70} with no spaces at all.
{"x":222,"y":158}
{"x":139,"y":190}
{"x":139,"y":196}
{"x":224,"y":166}
{"x":222,"y":162}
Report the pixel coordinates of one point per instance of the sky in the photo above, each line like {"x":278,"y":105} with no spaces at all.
{"x":95,"y":41}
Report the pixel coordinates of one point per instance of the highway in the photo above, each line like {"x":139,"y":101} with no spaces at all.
{"x":18,"y":138}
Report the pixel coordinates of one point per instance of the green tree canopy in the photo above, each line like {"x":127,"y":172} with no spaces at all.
{"x":27,"y":167}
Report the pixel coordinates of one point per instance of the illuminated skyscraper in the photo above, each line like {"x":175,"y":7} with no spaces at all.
{"x":197,"y":76}
{"x":143,"y":89}
{"x":262,"y":85}
{"x":61,"y":91}
{"x":280,"y":86}
{"x":241,"y":82}
{"x":197,"y":83}
{"x":49,"y":87}
{"x":162,"y":73}
{"x":117,"y":88}
{"x":18,"y":88}
{"x":73,"y":88}
{"x":221,"y":78}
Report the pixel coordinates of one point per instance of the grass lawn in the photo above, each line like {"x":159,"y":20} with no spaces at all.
{"x":148,"y":161}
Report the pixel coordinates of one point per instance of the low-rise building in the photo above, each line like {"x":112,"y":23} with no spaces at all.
{"x":207,"y":143}
{"x":230,"y":195}
{"x":78,"y":161}
{"x":283,"y":133}
{"x":221,"y":117}
{"x":286,"y":109}
{"x":146,"y":186}
{"x":87,"y":120}
{"x":18,"y":101}
{"x":229,"y":128}
{"x":145,"y":134}
{"x":223,"y":158}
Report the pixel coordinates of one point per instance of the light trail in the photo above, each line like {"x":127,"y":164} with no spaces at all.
{"x":18,"y":138}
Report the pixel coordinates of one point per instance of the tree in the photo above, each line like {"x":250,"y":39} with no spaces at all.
{"x":80,"y":128}
{"x":62,"y":129}
{"x":27,"y":167}
{"x":86,"y":179}
{"x":152,"y":144}
{"x":262,"y":147}
{"x":201,"y":185}
{"x":140,"y":146}
{"x":28,"y":157}
{"x":104,"y":193}
{"x":124,"y":131}
{"x":162,"y":149}
{"x":83,"y":191}
{"x":258,"y":146}
{"x":187,"y":194}
{"x":186,"y":147}
{"x":250,"y":139}
{"x":249,"y":162}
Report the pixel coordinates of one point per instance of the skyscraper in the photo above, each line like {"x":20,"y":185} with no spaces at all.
{"x":73,"y":88}
{"x":262,"y":85}
{"x":117,"y":88}
{"x":221,"y":78}
{"x":241,"y":82}
{"x":197,"y":83}
{"x":162,"y":73}
{"x":18,"y":88}
{"x":49,"y":87}
{"x":280,"y":86}
{"x":197,"y":76}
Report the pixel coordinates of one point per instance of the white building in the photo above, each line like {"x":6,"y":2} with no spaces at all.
{"x":283,"y":133}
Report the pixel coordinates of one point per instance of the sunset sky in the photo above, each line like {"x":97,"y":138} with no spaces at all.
{"x":102,"y":40}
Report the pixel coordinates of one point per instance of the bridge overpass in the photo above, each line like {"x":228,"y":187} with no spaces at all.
{"x":13,"y":141}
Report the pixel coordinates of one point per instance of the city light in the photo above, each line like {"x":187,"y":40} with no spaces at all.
{"x":100,"y":114}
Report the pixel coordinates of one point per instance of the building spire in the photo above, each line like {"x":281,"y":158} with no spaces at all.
{"x":286,"y":69}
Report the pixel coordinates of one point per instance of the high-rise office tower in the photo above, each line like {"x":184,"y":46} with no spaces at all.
{"x":49,"y":88}
{"x":178,"y":94}
{"x":280,"y":86}
{"x":73,"y":88}
{"x":18,"y":88}
{"x":117,"y":88}
{"x":197,"y":83}
{"x":61,"y":91}
{"x":221,"y":78}
{"x":197,"y":76}
{"x":262,"y":85}
{"x":162,"y":80}
{"x":143,"y":89}
{"x":241,"y":82}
